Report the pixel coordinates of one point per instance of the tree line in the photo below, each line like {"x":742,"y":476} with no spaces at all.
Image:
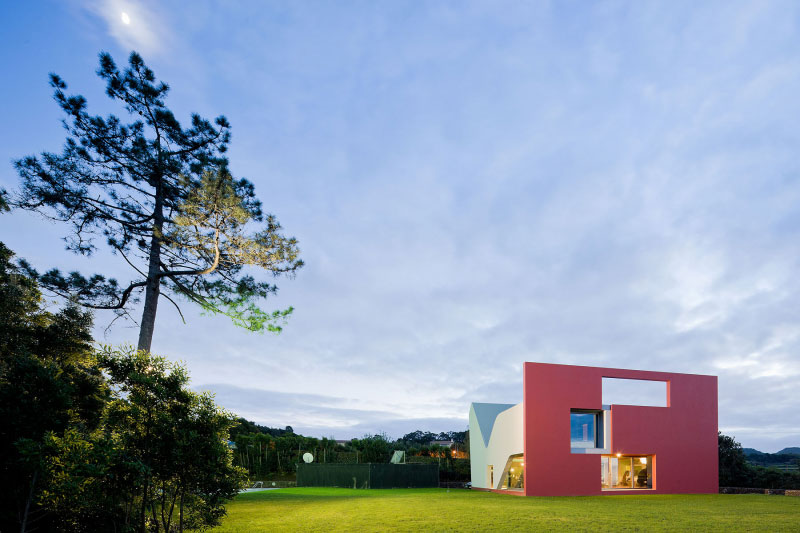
{"x":781,"y":458}
{"x":273,"y":454}
{"x":736,"y":471}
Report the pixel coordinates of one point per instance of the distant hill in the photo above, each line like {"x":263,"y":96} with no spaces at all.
{"x":752,"y":451}
{"x":786,"y":459}
{"x":790,"y":451}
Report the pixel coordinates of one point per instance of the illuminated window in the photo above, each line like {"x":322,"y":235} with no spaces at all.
{"x":514,"y":473}
{"x":626,"y":472}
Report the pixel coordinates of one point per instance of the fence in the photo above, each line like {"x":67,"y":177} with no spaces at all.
{"x":368,"y":475}
{"x":776,"y":492}
{"x":277,"y":484}
{"x":454,"y":484}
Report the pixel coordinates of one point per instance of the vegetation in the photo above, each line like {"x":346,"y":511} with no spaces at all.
{"x":114,"y":440}
{"x":100,"y":441}
{"x":788,"y":457}
{"x":270,"y":453}
{"x":163,"y":199}
{"x":736,"y":471}
{"x":268,"y":457}
{"x":319,"y":509}
{"x":424,"y":438}
{"x":49,"y":383}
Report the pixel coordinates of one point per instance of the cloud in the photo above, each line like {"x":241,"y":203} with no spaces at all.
{"x":477,"y":187}
{"x":135,"y":25}
{"x":320,"y":415}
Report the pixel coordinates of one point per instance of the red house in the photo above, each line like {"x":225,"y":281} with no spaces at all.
{"x":557,"y":441}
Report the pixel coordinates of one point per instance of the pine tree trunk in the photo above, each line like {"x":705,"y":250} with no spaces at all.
{"x":28,"y":503}
{"x":153,"y":287}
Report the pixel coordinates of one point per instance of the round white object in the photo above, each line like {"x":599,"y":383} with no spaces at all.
{"x":307,"y":457}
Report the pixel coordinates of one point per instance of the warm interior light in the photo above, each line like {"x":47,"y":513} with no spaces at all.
{"x":619,"y":455}
{"x":643,"y":460}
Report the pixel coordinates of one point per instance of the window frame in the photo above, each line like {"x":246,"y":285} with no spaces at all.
{"x":600,"y":431}
{"x":607,"y":469}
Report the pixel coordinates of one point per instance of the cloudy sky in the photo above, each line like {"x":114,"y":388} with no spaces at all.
{"x":473,"y":185}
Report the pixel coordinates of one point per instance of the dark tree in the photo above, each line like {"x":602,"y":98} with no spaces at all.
{"x":161,"y":197}
{"x":49,"y":382}
{"x":177,"y":439}
{"x":374,"y":448}
{"x":159,"y":460}
{"x":733,"y":468}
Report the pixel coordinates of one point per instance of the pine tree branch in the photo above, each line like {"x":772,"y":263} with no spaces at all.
{"x":177,"y":307}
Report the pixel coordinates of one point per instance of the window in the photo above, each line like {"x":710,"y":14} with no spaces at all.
{"x":585,"y":429}
{"x":514,"y":473}
{"x":626,"y":472}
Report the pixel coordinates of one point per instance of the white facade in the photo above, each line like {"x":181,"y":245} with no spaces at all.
{"x":495,"y":434}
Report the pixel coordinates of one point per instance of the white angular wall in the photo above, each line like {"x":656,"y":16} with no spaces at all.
{"x":495,"y":433}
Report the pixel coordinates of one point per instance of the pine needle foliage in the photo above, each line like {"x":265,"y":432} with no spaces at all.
{"x":162,"y":198}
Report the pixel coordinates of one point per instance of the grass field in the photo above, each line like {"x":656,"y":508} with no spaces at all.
{"x":318,"y":509}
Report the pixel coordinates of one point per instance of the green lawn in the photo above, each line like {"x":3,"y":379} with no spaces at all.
{"x":317,"y":509}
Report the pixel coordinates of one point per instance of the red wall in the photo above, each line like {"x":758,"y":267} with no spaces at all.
{"x":682,"y":437}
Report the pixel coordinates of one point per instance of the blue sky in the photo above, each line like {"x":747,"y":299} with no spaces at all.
{"x":473,"y":185}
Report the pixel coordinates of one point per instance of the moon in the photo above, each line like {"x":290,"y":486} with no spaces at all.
{"x":125,"y":18}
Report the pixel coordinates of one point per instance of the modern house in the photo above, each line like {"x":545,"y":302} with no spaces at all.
{"x":557,"y":441}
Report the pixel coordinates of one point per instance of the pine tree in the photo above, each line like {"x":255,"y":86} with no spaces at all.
{"x":163,"y":199}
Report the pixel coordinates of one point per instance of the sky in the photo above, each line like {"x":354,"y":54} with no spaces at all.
{"x":472,"y":185}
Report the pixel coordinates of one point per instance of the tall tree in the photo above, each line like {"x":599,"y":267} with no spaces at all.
{"x":163,"y":199}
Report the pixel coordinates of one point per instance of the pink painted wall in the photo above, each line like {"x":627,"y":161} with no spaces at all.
{"x":682,"y":437}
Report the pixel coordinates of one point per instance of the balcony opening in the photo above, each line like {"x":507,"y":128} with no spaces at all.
{"x":634,"y":392}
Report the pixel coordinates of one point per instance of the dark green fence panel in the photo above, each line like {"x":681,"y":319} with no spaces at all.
{"x":389,"y":476}
{"x":368,"y":475}
{"x":354,"y":476}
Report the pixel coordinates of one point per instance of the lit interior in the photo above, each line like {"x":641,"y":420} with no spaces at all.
{"x":626,"y":471}
{"x":514,"y":473}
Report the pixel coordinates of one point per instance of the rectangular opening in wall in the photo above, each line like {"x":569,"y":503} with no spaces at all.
{"x":585,"y":429}
{"x":634,"y":392}
{"x":626,"y":472}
